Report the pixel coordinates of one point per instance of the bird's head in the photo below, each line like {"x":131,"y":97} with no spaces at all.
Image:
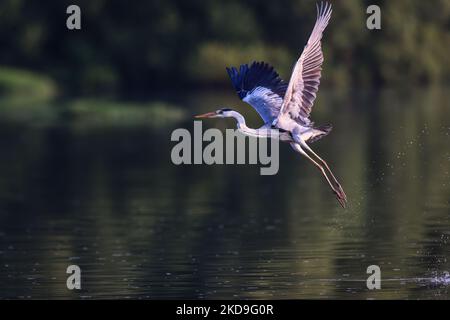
{"x":221,"y":113}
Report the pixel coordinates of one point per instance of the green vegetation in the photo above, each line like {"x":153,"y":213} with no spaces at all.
{"x":25,"y":85}
{"x":149,"y":46}
{"x":89,"y":112}
{"x":95,"y":112}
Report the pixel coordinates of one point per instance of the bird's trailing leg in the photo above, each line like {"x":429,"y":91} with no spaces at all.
{"x":323,"y":162}
{"x":339,"y":196}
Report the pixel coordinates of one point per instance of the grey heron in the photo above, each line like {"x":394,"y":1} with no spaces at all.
{"x":286,"y":108}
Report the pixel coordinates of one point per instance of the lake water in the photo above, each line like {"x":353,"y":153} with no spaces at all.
{"x":108,"y":199}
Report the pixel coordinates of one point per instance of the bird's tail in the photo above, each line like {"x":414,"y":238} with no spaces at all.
{"x":320,"y":132}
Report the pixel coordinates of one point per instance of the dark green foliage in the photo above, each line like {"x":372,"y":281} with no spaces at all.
{"x":144,"y":46}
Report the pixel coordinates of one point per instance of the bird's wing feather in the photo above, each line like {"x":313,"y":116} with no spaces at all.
{"x":305,"y":79}
{"x":260,"y":86}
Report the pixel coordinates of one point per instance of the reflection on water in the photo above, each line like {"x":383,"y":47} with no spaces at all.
{"x":108,"y":199}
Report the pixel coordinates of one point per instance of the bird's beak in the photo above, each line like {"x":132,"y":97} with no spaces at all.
{"x":207,"y":115}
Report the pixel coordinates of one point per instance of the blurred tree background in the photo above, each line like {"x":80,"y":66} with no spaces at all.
{"x":86,"y":118}
{"x":127,"y":48}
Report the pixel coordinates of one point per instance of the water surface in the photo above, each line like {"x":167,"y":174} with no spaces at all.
{"x":107,"y":198}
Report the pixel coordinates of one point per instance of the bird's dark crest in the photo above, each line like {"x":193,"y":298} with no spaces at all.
{"x":258,"y":74}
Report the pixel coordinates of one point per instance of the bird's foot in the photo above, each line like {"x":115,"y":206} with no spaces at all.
{"x":341,"y":198}
{"x":341,"y":192}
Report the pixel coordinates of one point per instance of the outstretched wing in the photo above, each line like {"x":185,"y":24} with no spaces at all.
{"x":305,"y":79}
{"x":261,"y":87}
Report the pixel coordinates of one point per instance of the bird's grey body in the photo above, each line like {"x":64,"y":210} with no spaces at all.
{"x":285,"y":108}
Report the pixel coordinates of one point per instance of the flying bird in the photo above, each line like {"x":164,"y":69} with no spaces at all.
{"x":286,"y":108}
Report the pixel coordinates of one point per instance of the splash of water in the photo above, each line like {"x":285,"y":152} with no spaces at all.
{"x":443,"y":279}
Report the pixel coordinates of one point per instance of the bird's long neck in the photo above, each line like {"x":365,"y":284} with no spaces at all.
{"x":240,"y":120}
{"x":242,"y":126}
